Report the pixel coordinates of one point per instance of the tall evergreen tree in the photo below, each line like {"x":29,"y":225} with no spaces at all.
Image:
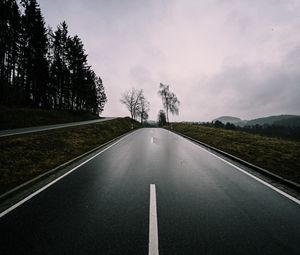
{"x":9,"y":47}
{"x":101,"y":98}
{"x":59,"y":68}
{"x":94,"y":97}
{"x":42,"y":68}
{"x":35,"y":64}
{"x":77,"y":60}
{"x":4,"y":48}
{"x":16,"y":31}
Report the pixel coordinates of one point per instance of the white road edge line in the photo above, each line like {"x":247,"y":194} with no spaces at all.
{"x":153,"y":232}
{"x":252,"y":176}
{"x":56,"y":180}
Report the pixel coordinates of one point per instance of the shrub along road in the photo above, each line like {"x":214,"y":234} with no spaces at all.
{"x":204,"y":205}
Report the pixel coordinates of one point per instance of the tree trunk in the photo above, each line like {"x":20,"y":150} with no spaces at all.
{"x":168,"y":115}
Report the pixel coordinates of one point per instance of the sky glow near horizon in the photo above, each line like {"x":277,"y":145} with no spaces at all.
{"x":220,"y":57}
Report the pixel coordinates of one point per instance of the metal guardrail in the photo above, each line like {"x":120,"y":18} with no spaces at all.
{"x":263,"y":171}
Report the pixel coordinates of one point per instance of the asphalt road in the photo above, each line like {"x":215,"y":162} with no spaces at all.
{"x":19,"y":131}
{"x":204,"y":206}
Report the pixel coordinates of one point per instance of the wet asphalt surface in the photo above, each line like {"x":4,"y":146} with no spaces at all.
{"x":204,"y":206}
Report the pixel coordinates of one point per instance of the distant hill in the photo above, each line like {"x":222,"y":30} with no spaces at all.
{"x":291,"y":122}
{"x":272,"y":120}
{"x":287,"y":120}
{"x":230,"y":119}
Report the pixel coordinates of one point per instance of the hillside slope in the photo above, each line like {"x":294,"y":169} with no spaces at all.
{"x":287,"y":120}
{"x":24,"y":157}
{"x":270,"y":120}
{"x":279,"y":156}
{"x":12,"y":117}
{"x":225,"y":119}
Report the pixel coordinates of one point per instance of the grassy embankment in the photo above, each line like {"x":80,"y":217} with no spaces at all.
{"x":12,"y":117}
{"x":25,"y":156}
{"x":279,"y":156}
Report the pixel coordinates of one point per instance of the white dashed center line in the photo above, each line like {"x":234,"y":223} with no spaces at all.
{"x":153,"y":230}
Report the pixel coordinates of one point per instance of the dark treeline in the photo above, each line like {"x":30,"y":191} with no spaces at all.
{"x":43,"y":68}
{"x":281,"y":131}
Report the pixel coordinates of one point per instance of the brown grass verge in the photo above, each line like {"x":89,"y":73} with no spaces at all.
{"x":279,"y":156}
{"x":24,"y":157}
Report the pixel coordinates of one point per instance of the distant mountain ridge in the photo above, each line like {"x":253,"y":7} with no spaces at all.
{"x":280,"y":120}
{"x":230,"y":119}
{"x":291,"y":122}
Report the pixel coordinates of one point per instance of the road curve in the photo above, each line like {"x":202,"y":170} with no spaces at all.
{"x":19,"y":131}
{"x":204,"y":206}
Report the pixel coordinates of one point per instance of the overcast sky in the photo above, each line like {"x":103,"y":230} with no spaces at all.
{"x":220,"y":57}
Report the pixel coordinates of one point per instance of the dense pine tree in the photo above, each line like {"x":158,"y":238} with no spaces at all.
{"x":78,"y":66}
{"x":36,"y":65}
{"x":42,"y":68}
{"x":9,"y":49}
{"x":59,"y":69}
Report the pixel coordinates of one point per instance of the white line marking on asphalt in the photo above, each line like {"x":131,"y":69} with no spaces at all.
{"x":252,"y":176}
{"x":153,"y":233}
{"x":56,"y":180}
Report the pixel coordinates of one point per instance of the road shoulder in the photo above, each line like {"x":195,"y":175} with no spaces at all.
{"x":21,"y":192}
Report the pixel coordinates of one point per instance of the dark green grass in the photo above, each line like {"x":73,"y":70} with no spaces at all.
{"x":23,"y":157}
{"x":279,"y":156}
{"x":12,"y":117}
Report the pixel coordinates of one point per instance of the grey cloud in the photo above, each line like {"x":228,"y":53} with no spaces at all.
{"x":222,"y":57}
{"x":256,"y":90}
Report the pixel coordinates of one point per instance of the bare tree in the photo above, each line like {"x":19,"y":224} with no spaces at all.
{"x":169,"y":99}
{"x":133,"y":99}
{"x":143,"y":108}
{"x":128,"y":99}
{"x":136,"y":103}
